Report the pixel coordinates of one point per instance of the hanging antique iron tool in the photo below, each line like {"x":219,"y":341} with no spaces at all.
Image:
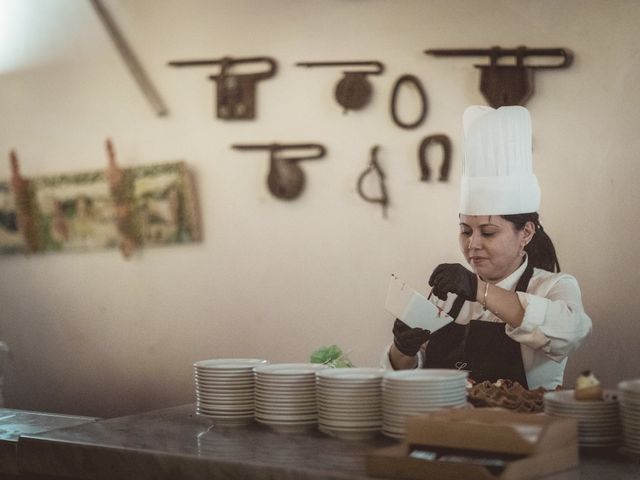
{"x":415,"y":81}
{"x":130,"y":59}
{"x":353,"y":91}
{"x":423,"y":160}
{"x":235,"y":92}
{"x":286,"y":179}
{"x":374,"y":167}
{"x":508,"y":84}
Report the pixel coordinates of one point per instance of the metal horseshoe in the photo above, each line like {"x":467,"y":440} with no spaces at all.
{"x":374,"y":167}
{"x":412,"y":79}
{"x":285,"y":179}
{"x":444,"y":141}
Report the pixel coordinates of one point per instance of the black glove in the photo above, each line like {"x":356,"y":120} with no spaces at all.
{"x":454,"y":278}
{"x":408,"y":340}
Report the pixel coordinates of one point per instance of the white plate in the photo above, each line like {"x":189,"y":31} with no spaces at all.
{"x":225,"y":389}
{"x":303,"y":417}
{"x":359,"y":405}
{"x":291,"y":391}
{"x":566,"y":398}
{"x":392,"y":395}
{"x":290,"y":368}
{"x":229,"y":363}
{"x":225,"y":396}
{"x":426,"y":375}
{"x":596,"y":416}
{"x":423,"y":386}
{"x":228,"y":372}
{"x":224,"y":411}
{"x":348,"y":389}
{"x":632,"y":386}
{"x":352,"y":424}
{"x":222,"y":378}
{"x":207,"y":382}
{"x":358,"y":400}
{"x":291,"y":400}
{"x":351,"y":374}
{"x":349,"y":416}
{"x":285,"y":397}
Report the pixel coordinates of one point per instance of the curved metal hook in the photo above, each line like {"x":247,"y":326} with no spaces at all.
{"x":374,"y":167}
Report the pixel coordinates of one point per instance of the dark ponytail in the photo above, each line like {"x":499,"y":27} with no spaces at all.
{"x":540,"y":250}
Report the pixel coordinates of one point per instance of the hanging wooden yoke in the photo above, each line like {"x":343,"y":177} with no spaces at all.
{"x":374,"y":167}
{"x":415,"y":81}
{"x":423,"y":160}
{"x":354,"y":90}
{"x":235,"y":92}
{"x":286,"y":179}
{"x":508,"y":84}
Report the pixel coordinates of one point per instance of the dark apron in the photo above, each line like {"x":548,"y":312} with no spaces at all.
{"x":483,"y":348}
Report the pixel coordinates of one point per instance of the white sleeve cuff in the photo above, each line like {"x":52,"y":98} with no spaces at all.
{"x":386,"y":363}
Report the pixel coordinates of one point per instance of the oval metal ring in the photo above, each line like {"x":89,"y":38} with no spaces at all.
{"x":394,"y":98}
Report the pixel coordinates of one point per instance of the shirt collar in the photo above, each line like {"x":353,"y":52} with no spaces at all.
{"x":510,"y":282}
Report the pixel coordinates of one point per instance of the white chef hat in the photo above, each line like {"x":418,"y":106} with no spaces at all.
{"x":497,"y":177}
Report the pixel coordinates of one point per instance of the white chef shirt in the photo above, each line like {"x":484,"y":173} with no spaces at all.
{"x":554,"y":324}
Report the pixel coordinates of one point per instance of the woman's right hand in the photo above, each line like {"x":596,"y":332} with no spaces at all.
{"x":409,"y":340}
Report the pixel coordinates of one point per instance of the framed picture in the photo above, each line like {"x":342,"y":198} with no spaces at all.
{"x":76,"y":212}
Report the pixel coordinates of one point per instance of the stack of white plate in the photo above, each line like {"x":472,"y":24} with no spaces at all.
{"x":350,"y":402}
{"x":225,"y":389}
{"x":598,"y":420}
{"x":411,"y":392}
{"x":286,"y":396}
{"x":630,"y":414}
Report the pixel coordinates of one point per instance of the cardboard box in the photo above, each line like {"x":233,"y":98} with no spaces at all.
{"x":481,"y":443}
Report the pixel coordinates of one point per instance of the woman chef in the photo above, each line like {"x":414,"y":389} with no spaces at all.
{"x":515,"y":318}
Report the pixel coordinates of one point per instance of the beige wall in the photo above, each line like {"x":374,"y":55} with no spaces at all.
{"x":95,"y":334}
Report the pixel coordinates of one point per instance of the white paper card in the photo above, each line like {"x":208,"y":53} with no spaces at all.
{"x":413,"y":308}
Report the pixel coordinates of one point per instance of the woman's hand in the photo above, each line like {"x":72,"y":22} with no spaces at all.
{"x":408,"y":340}
{"x":454,"y":278}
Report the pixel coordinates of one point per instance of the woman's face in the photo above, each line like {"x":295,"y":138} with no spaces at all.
{"x":492,"y":245}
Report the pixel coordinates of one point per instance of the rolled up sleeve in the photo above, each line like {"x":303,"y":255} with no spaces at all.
{"x":554,"y":318}
{"x":386,"y":363}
